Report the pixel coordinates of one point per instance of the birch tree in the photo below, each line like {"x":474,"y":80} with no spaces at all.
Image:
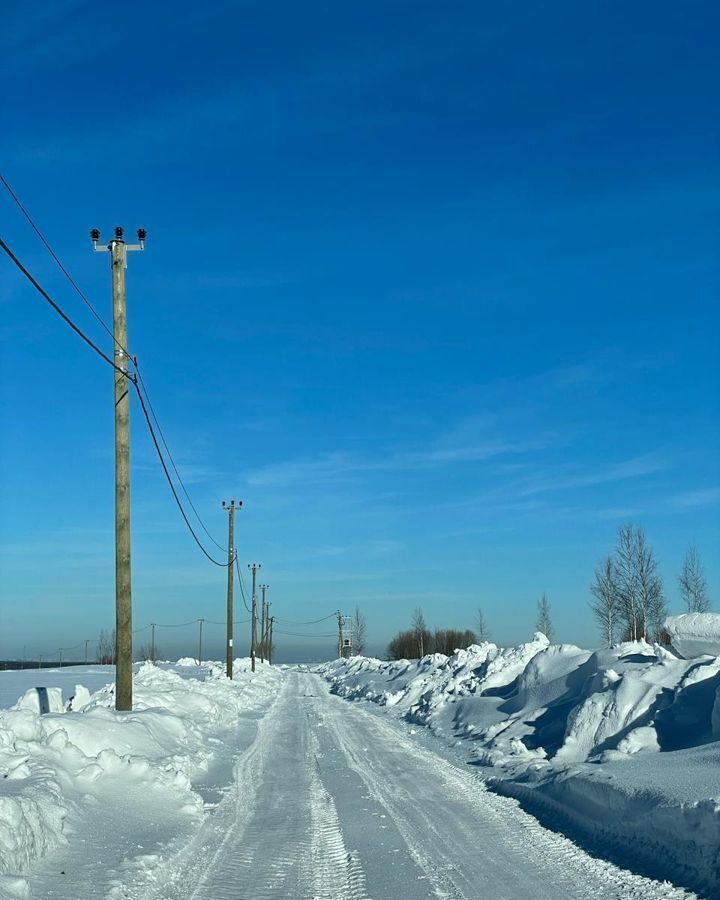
{"x":604,"y":604}
{"x":481,"y":628}
{"x":544,"y":622}
{"x":693,"y":587}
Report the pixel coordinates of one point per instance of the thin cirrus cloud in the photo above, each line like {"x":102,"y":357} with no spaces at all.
{"x":341,"y":466}
{"x":693,"y":499}
{"x":636,"y":467}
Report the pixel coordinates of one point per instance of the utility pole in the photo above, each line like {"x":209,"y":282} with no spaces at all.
{"x":40,"y":663}
{"x":200,"y":622}
{"x":118,"y":250}
{"x":86,"y":651}
{"x":229,"y":653}
{"x":263,"y":588}
{"x":60,"y":649}
{"x":253,"y":631}
{"x":270,"y":646}
{"x":152,"y":641}
{"x":266,"y":636}
{"x":340,"y":633}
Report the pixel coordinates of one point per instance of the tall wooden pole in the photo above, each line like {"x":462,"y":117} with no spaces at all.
{"x":229,"y":651}
{"x":253,"y":631}
{"x":263,"y":588}
{"x":123,"y":585}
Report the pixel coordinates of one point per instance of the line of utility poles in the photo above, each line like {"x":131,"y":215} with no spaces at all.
{"x":124,"y":379}
{"x":118,"y":250}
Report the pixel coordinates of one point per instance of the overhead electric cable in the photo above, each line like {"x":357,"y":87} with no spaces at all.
{"x":313,"y":622}
{"x":59,"y":311}
{"x":170,"y":456}
{"x":57,"y":259}
{"x":242,"y":587}
{"x":222,"y":565}
{"x":131,"y":377}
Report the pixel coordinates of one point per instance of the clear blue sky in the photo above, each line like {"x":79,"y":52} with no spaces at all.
{"x":432,"y":287}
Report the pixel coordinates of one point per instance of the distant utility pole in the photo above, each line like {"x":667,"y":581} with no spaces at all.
{"x":263,"y":588}
{"x":253,"y":631}
{"x":60,"y":651}
{"x":123,"y":584}
{"x":152,"y":641}
{"x":200,"y":623}
{"x":267,"y":630}
{"x":86,"y":651}
{"x":270,"y":646}
{"x":229,"y":653}
{"x":340,"y":633}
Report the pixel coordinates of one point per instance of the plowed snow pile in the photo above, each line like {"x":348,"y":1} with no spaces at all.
{"x":53,"y":764}
{"x":623,"y":744}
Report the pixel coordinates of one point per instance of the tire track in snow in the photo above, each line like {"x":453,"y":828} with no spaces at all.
{"x":466,"y":839}
{"x":277,"y":836}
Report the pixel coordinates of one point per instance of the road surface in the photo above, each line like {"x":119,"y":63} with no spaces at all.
{"x":334,"y":802}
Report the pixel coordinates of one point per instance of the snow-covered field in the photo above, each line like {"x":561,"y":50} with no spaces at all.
{"x":621,"y":746}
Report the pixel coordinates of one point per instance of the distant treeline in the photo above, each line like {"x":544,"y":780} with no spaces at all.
{"x":419,"y":640}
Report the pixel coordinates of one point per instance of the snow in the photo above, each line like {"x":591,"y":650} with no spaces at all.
{"x":694,"y":634}
{"x":59,"y":765}
{"x":622,"y":743}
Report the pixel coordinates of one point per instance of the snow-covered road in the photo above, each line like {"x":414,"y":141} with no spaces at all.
{"x":336,"y":802}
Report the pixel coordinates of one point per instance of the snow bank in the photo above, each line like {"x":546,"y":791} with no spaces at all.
{"x":605,"y":736}
{"x":53,"y":763}
{"x":694,"y":634}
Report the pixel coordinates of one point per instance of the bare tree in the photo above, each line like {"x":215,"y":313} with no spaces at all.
{"x":359,"y":631}
{"x":627,"y":581}
{"x":693,"y":587}
{"x":604,"y":604}
{"x":148,"y":652}
{"x":105,"y":647}
{"x":652,"y":603}
{"x":481,"y":628}
{"x":419,"y":629}
{"x":544,"y":622}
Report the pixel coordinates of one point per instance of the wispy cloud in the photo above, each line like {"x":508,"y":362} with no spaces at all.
{"x":692,"y":499}
{"x":636,"y":467}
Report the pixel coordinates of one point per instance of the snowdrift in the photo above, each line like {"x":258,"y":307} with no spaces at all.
{"x":624,"y":743}
{"x":694,"y":634}
{"x":54,"y":763}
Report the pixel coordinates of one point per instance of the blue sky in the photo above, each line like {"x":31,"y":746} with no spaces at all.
{"x":432,"y":289}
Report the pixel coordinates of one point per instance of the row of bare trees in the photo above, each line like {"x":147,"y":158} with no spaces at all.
{"x":418,"y":640}
{"x":628,"y":599}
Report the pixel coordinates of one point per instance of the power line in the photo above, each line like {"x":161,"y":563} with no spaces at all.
{"x":242,"y":586}
{"x":57,"y":259}
{"x":296,"y":634}
{"x":313,"y":622}
{"x":59,"y":311}
{"x":134,"y":381}
{"x":222,"y":565}
{"x":170,"y":456}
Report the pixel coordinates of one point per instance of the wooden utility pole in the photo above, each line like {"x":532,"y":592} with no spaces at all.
{"x":123,"y":583}
{"x":86,"y":651}
{"x":270,"y":646}
{"x":263,"y":588}
{"x":200,"y":623}
{"x":152,"y":641}
{"x":229,"y":652}
{"x":340,"y":633}
{"x":253,"y":629}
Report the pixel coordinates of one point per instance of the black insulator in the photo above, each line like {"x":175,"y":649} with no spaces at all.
{"x":142,"y":234}
{"x":118,"y":232}
{"x":95,"y":234}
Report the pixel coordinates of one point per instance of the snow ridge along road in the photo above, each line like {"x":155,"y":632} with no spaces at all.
{"x":332,"y":802}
